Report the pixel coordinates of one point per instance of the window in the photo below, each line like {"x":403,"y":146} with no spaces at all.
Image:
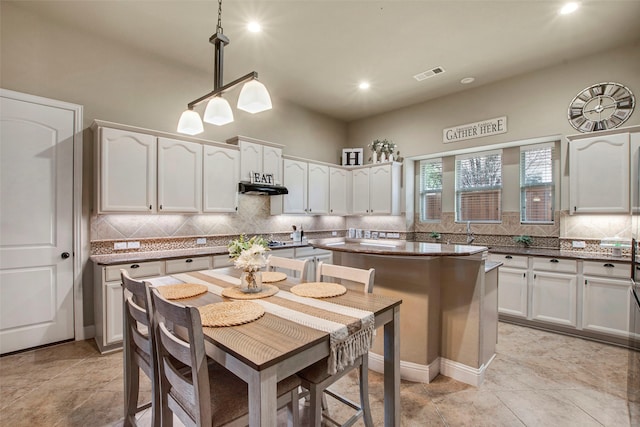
{"x":430,"y":190}
{"x":479,"y":187}
{"x":536,"y":183}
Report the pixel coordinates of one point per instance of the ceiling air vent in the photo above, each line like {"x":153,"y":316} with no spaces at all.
{"x":428,"y":74}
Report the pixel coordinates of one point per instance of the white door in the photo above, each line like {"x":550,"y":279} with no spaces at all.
{"x":295,"y":179}
{"x":318,"y":189}
{"x":380,"y":189}
{"x":360,"y":191}
{"x":338,"y":202}
{"x":36,"y":224}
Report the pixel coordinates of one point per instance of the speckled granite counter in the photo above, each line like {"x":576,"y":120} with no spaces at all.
{"x":119,"y":258}
{"x":395,"y":247}
{"x":556,"y":253}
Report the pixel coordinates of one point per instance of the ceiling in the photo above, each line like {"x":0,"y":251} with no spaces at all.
{"x":314,"y":53}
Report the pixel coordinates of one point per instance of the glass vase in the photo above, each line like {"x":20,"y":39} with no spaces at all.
{"x":251,"y":281}
{"x":383,"y":157}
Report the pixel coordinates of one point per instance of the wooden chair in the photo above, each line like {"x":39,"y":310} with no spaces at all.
{"x":289,"y":265}
{"x":316,"y":379}
{"x":138,"y":350}
{"x":197,"y":392}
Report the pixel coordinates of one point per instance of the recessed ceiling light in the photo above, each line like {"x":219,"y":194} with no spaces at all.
{"x":364,"y":85}
{"x":569,"y":8}
{"x":254,"y":27}
{"x":468,"y":80}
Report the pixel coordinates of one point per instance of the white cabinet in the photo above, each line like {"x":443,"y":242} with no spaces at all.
{"x":339,"y":180}
{"x":179,"y":176}
{"x":126,"y":163}
{"x":554,"y":291}
{"x":295,"y":179}
{"x":221,"y":174}
{"x":607,"y":300}
{"x":318,"y":189}
{"x":360,"y":182}
{"x":634,"y":167}
{"x":308,"y":186}
{"x":314,"y":256}
{"x":512,"y":284}
{"x":376,"y":189}
{"x":108,"y":299}
{"x":259,"y":156}
{"x":174,"y":266}
{"x":599,"y":174}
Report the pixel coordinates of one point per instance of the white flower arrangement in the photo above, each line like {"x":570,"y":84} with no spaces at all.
{"x":248,"y":254}
{"x":380,"y":146}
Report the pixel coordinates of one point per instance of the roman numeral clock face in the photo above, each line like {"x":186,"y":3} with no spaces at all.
{"x":600,"y":107}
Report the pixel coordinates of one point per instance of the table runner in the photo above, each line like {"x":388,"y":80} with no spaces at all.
{"x":351,"y":330}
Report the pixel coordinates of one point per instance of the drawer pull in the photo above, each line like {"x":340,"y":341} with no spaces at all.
{"x":554,"y":260}
{"x":188,"y":260}
{"x":135,"y":266}
{"x":608,"y":265}
{"x":508,"y":257}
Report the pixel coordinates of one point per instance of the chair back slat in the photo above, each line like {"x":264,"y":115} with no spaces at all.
{"x":297,"y":267}
{"x":347,"y":276}
{"x":180,"y":339}
{"x":142,"y":341}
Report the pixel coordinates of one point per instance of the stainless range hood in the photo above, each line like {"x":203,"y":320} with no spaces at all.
{"x":261,"y":189}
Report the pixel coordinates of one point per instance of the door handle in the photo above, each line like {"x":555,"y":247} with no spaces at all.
{"x":65,"y":255}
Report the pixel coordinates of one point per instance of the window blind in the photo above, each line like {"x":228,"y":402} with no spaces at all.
{"x":431,"y":190}
{"x":479,"y":186}
{"x":536,"y":183}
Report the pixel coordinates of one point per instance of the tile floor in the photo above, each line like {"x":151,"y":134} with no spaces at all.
{"x":537,"y":379}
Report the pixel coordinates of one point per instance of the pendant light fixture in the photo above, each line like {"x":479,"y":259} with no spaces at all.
{"x":253,"y":98}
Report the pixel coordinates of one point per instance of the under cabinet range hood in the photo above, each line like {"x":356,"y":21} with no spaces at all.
{"x":261,"y":189}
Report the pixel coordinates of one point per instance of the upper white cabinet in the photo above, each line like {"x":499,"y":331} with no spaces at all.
{"x":221,"y":174}
{"x":179,"y":176}
{"x":318,"y":193}
{"x":308,"y":186}
{"x":376,"y":189}
{"x":126,"y":163}
{"x":599,"y":174}
{"x":258,"y":156}
{"x":634,"y":147}
{"x":295,"y":179}
{"x":339,"y":180}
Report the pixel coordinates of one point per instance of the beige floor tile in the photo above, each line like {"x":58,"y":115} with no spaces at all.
{"x":607,"y":409}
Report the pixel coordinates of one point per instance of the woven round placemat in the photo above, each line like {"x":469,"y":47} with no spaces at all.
{"x":235,"y":292}
{"x":273,"y":276}
{"x":319,"y":290}
{"x":230,"y":313}
{"x":181,"y":290}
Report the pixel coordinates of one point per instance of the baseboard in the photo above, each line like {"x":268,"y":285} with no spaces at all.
{"x":408,"y":370}
{"x":464,"y":373}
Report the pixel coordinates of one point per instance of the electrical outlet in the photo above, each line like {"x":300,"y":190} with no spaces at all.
{"x":201,"y":241}
{"x":579,"y":244}
{"x":382,"y":234}
{"x":393,"y":235}
{"x":133,"y":245}
{"x":334,"y":233}
{"x":119,"y":245}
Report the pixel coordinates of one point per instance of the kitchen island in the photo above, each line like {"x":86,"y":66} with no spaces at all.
{"x":450,"y":304}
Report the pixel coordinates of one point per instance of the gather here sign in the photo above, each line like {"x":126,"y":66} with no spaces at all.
{"x":475,"y":130}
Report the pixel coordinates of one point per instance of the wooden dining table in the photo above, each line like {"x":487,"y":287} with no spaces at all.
{"x":272,"y":347}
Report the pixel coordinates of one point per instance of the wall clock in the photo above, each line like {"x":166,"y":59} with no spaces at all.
{"x":601,"y":106}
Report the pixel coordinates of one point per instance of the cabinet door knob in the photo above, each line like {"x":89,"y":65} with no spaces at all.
{"x":188,"y":260}
{"x":553,"y":260}
{"x":65,"y":255}
{"x":150,"y":207}
{"x":135,"y":266}
{"x":508,"y":257}
{"x":608,"y":265}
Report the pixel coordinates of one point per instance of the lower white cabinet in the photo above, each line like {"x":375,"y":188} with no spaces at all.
{"x":512,"y":291}
{"x":314,"y":256}
{"x":108,"y":299}
{"x":554,"y":298}
{"x":606,"y":306}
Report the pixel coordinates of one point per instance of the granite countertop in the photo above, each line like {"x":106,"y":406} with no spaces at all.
{"x":126,"y":257}
{"x":490,"y":265}
{"x":395,"y":247}
{"x":557,"y":253}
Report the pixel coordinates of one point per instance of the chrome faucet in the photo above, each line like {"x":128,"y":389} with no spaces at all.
{"x":470,"y":236}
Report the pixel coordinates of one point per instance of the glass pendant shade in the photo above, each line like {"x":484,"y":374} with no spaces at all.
{"x":254,"y":97}
{"x":190,"y":123}
{"x":218,"y":112}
